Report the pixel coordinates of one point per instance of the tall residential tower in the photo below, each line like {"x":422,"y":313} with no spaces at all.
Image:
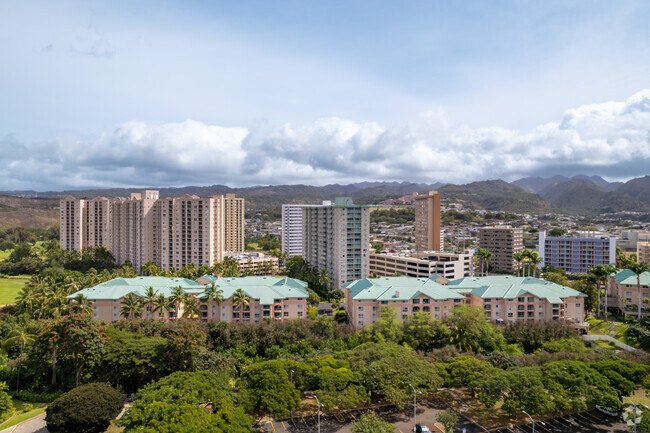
{"x":337,"y":238}
{"x":428,"y":236}
{"x":234,"y":220}
{"x":170,"y":232}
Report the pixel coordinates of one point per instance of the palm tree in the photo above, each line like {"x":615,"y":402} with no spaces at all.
{"x":162,"y":304}
{"x":239,"y":301}
{"x":131,"y":306}
{"x":460,"y":337}
{"x":638,"y":269}
{"x":535,"y":260}
{"x":149,"y":296}
{"x":601,"y":274}
{"x":81,"y":305}
{"x":324,"y":279}
{"x":489,"y":255}
{"x":519,"y":258}
{"x":18,"y":336}
{"x":178,"y":298}
{"x":191,"y":309}
{"x":212,"y":293}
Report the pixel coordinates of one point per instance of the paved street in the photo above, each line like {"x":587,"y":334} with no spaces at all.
{"x":33,"y":425}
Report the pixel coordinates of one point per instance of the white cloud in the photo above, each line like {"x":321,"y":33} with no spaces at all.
{"x":610,"y":139}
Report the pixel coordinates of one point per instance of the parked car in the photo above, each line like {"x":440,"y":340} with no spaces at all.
{"x":607,"y":411}
{"x":421,"y":428}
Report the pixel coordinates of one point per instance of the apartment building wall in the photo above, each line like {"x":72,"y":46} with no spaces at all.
{"x":366,"y":312}
{"x":73,"y":223}
{"x":576,"y":254}
{"x":428,"y":236}
{"x":623,"y":294}
{"x":422,"y":265}
{"x":503,"y":242}
{"x":337,"y":238}
{"x":292,"y":234}
{"x":171,"y":232}
{"x":643,"y":252}
{"x":234,"y":223}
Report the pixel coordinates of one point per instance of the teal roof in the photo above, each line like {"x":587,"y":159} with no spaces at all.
{"x":510,"y":287}
{"x":628,"y":277}
{"x":266,"y":289}
{"x":399,"y":289}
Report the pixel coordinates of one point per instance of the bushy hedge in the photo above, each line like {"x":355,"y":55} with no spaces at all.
{"x":32,"y":397}
{"x":86,"y":409}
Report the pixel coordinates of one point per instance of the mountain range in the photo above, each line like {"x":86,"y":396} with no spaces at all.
{"x":579,"y":195}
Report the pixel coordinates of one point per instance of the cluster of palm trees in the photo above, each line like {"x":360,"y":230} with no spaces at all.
{"x":133,"y":306}
{"x":483,"y":257}
{"x":46,"y":298}
{"x":527,"y":261}
{"x":229,"y":267}
{"x":299,"y":268}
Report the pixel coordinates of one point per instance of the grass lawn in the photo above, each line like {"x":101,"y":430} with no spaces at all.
{"x":10,"y":287}
{"x":639,"y":397}
{"x":114,"y":429}
{"x":253,"y":246}
{"x":20,"y":416}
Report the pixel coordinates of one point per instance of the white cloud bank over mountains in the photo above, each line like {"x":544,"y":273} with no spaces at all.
{"x":611,"y":139}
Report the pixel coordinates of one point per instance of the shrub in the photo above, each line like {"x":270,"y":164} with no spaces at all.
{"x":32,"y":397}
{"x":86,"y":409}
{"x":6,"y":407}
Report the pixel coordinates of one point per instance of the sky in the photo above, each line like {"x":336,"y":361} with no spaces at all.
{"x":97,"y":94}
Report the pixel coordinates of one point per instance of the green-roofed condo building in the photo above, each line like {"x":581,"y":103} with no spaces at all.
{"x":505,"y":299}
{"x":269,"y":298}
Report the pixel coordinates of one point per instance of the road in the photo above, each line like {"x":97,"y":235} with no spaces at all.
{"x":32,"y":425}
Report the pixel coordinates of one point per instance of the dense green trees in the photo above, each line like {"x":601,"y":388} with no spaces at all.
{"x":186,"y":402}
{"x":371,"y":423}
{"x":86,"y":409}
{"x":265,"y":386}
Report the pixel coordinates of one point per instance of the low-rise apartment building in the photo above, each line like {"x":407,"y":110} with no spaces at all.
{"x":268,"y":298}
{"x":624,"y":295}
{"x":577,"y":254}
{"x":423,"y":265}
{"x":256,"y":263}
{"x":505,"y":299}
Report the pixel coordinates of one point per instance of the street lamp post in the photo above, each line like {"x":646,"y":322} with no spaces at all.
{"x":531,"y":418}
{"x":415,"y":405}
{"x":634,"y":405}
{"x":319,"y":405}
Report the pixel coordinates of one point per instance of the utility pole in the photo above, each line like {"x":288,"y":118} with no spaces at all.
{"x":415,"y":405}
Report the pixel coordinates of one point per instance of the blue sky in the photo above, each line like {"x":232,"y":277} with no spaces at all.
{"x":102,"y":89}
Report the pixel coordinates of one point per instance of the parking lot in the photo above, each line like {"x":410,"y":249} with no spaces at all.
{"x":584,"y":422}
{"x":339,"y":422}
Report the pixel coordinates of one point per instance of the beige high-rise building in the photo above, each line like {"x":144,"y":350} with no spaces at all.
{"x":428,"y":236}
{"x":503,"y":242}
{"x":643,"y":252}
{"x":234,"y":223}
{"x":337,"y":238}
{"x":170,"y":232}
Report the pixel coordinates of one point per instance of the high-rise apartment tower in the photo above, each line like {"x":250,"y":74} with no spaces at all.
{"x":337,"y":238}
{"x":234,"y":220}
{"x":170,"y":232}
{"x":503,"y":242}
{"x":428,"y":236}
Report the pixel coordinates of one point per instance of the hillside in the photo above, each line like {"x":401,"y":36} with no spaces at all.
{"x":28,"y":212}
{"x":496,"y":195}
{"x":580,"y":195}
{"x":638,"y":188}
{"x":538,"y":184}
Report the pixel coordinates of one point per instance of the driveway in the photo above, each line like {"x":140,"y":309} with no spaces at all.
{"x":32,"y":425}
